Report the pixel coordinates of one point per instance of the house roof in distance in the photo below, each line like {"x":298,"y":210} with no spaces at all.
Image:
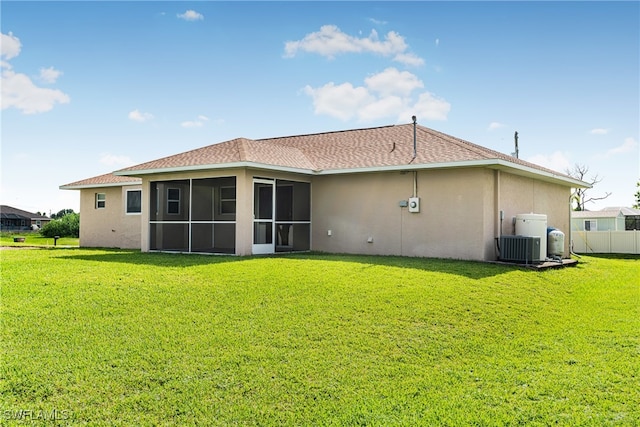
{"x":383,"y":148}
{"x":9,"y":212}
{"x":610,"y":212}
{"x":624,"y":210}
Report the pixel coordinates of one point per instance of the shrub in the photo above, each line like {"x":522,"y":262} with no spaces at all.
{"x":67,"y":226}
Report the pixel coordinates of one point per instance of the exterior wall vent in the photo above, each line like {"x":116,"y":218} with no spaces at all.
{"x":523,"y":249}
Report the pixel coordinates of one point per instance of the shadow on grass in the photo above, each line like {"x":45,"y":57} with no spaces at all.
{"x":156,"y":259}
{"x":469,"y":269}
{"x":613,"y":256}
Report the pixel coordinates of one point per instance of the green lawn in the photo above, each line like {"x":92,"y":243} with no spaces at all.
{"x":35,"y":239}
{"x":108,"y":337}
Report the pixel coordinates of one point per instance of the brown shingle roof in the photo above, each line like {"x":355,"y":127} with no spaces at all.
{"x":335,"y":152}
{"x":349,"y":149}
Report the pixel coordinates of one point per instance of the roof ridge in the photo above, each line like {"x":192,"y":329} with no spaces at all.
{"x":241,"y":147}
{"x":324,"y":133}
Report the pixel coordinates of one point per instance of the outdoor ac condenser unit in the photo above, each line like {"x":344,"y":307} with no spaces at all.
{"x":520,"y":249}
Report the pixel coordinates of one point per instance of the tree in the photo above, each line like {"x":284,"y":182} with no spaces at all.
{"x":637,"y":196}
{"x":62,"y":213}
{"x":67,"y":226}
{"x":579,"y":197}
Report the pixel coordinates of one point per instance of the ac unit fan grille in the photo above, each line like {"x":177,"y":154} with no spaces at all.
{"x":519,"y":248}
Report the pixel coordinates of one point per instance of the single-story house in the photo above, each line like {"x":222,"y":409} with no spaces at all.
{"x":391,"y":190}
{"x":607,"y":219}
{"x":14,"y":219}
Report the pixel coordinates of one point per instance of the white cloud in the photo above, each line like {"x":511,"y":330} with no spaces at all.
{"x":409,"y":59}
{"x":386,"y":94}
{"x":199,"y":122}
{"x":331,"y":41}
{"x":191,"y":15}
{"x":114,"y":161}
{"x":49,"y":75}
{"x":495,"y":125}
{"x":381,"y":108}
{"x":627,"y":146}
{"x":342,"y":101}
{"x":599,"y":131}
{"x":391,"y":81}
{"x":140,"y":117}
{"x":556,"y":161}
{"x":437,"y":42}
{"x":10,"y":46}
{"x":18,"y":91}
{"x":428,"y":107}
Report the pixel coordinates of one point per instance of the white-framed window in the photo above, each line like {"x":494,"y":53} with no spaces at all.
{"x":133,"y":202}
{"x":590,"y":225}
{"x":227,"y":200}
{"x":101,"y":200}
{"x":173,"y":201}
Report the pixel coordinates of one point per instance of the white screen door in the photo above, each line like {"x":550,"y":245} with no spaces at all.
{"x":263,"y":218}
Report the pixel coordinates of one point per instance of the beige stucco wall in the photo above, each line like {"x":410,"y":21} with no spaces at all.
{"x":459,"y":215}
{"x":452,"y":221}
{"x":110,"y":226}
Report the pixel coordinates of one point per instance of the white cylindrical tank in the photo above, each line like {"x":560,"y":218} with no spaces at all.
{"x":533,"y":225}
{"x":555,"y":243}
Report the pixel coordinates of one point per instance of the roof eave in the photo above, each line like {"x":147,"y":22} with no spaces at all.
{"x":498,"y":164}
{"x":524,"y":170}
{"x":214,"y":166}
{"x":111,"y":184}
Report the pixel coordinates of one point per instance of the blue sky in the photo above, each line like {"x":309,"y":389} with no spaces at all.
{"x":92,"y":87}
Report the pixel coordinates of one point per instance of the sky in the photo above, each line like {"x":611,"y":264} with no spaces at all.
{"x":93,"y":87}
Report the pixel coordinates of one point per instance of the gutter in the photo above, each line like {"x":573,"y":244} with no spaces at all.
{"x":98,"y":185}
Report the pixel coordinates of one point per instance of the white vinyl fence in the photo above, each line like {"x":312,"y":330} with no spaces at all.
{"x":606,"y":242}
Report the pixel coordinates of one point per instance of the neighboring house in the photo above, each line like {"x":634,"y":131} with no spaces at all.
{"x":608,"y":219}
{"x":391,"y":190}
{"x":13,"y":219}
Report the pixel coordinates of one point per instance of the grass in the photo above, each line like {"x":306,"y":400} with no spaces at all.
{"x":35,"y":239}
{"x":110,"y":337}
